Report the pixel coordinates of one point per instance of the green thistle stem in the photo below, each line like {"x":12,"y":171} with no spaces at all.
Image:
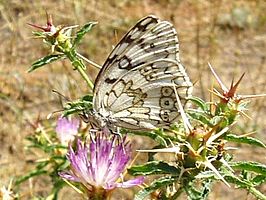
{"x":78,"y":65}
{"x":257,"y":193}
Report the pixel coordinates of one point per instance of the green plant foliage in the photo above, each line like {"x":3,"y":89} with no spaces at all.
{"x":198,"y":143}
{"x":81,"y":33}
{"x":45,"y":60}
{"x":152,"y":168}
{"x":244,"y":140}
{"x":159,"y":183}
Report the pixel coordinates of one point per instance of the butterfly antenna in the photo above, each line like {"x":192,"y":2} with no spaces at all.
{"x":61,"y":95}
{"x":52,"y":113}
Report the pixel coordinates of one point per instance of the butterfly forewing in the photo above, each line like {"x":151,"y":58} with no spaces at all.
{"x":134,"y":89}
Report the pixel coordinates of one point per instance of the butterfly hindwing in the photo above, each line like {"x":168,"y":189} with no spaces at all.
{"x":135,"y":86}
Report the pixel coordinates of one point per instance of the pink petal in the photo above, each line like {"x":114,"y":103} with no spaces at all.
{"x":131,"y":183}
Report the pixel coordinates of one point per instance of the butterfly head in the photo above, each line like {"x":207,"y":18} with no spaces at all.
{"x":97,"y":119}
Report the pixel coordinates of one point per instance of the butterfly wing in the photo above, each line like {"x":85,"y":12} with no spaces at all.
{"x":134,"y":88}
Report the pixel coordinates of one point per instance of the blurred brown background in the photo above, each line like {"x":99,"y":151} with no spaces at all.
{"x":231,"y":35}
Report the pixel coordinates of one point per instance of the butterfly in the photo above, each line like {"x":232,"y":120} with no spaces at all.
{"x":135,"y":87}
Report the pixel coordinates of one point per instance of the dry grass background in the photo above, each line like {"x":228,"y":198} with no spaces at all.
{"x":231,"y":35}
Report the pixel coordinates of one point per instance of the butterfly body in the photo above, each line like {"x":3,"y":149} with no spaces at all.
{"x":135,"y":87}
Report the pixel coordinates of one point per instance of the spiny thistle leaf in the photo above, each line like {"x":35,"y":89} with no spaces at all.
{"x":153,"y":135}
{"x":219,"y":120}
{"x":249,"y":166}
{"x":45,"y":60}
{"x":80,"y":33}
{"x":159,"y":183}
{"x":77,"y":106}
{"x":38,"y":34}
{"x":42,"y":164}
{"x":154,"y":167}
{"x":54,"y":147}
{"x":231,"y":178}
{"x":198,"y":193}
{"x":200,"y":116}
{"x":200,"y":103}
{"x":258,"y":180}
{"x":30,"y":175}
{"x":87,"y":98}
{"x":245,"y":140}
{"x":246,"y":184}
{"x":207,"y":175}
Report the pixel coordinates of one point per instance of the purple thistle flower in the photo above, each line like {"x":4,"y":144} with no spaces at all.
{"x":101,"y":168}
{"x":66,"y":129}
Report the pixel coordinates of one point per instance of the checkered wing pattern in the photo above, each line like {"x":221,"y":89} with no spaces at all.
{"x":135,"y":87}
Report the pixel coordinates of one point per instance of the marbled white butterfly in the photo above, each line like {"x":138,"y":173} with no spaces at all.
{"x":134,"y":88}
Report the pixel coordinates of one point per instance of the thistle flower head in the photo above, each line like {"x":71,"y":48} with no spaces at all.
{"x":49,"y":28}
{"x":57,"y":37}
{"x":67,"y":129}
{"x":98,"y":167}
